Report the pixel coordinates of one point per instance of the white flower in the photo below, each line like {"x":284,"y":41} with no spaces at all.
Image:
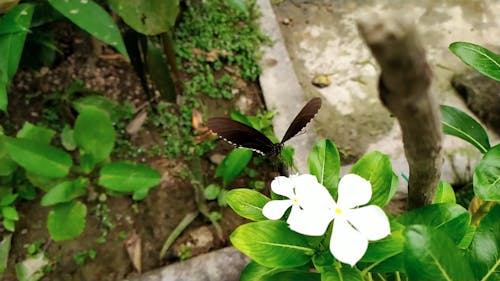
{"x":313,"y":209}
{"x":310,"y":202}
{"x":354,"y":227}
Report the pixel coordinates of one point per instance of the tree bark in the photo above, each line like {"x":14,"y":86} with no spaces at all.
{"x":404,"y":88}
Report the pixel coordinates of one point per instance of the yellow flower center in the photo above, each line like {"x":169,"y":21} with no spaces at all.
{"x":338,"y":211}
{"x":295,"y":200}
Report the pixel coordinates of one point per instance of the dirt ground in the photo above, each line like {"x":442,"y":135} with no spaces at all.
{"x":152,"y":219}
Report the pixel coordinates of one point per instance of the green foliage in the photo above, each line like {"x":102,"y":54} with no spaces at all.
{"x":14,"y":26}
{"x":66,"y":220}
{"x":4,"y":252}
{"x":376,"y":168}
{"x":458,"y":123}
{"x":101,"y":25}
{"x":325,"y":155}
{"x":149,"y":17}
{"x":433,"y":250}
{"x":478,"y":57}
{"x":272,"y":244}
{"x":444,"y":193}
{"x":247,"y":203}
{"x":128,"y":177}
{"x":82,"y":257}
{"x":486,"y":177}
{"x":233,"y":164}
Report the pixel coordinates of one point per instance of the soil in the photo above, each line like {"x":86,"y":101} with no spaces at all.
{"x":152,"y":219}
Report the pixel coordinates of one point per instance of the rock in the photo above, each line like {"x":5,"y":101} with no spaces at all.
{"x":482,"y":95}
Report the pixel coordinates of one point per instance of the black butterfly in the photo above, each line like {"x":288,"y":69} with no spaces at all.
{"x":242,"y":135}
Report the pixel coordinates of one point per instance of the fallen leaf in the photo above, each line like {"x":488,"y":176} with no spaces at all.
{"x":136,"y":124}
{"x":134,"y":250}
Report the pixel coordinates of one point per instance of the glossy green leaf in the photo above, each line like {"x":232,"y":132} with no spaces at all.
{"x":459,"y":124}
{"x":478,"y":57}
{"x":66,"y":220}
{"x":68,"y":138}
{"x":444,"y":193}
{"x":254,"y":272}
{"x":94,"y":133}
{"x":467,"y":239}
{"x":247,"y":203}
{"x":4,"y":252}
{"x":128,"y":177}
{"x":112,"y":108}
{"x":65,"y":192}
{"x":431,"y":255}
{"x":385,"y":255}
{"x":39,"y":158}
{"x":149,"y":17}
{"x":87,"y":163}
{"x":10,"y":213}
{"x":295,"y":275}
{"x":233,"y":164}
{"x":9,"y":224}
{"x":272,"y":244}
{"x":485,"y":247}
{"x":42,"y":182}
{"x":486,"y":179}
{"x":7,"y":197}
{"x":324,"y":163}
{"x":450,"y":218}
{"x":36,"y":133}
{"x":341,"y":274}
{"x":92,"y":18}
{"x":160,"y":73}
{"x":376,"y":167}
{"x":140,"y":194}
{"x":14,"y":26}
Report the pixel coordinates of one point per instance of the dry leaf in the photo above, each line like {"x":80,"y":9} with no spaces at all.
{"x":134,"y":250}
{"x":135,"y":125}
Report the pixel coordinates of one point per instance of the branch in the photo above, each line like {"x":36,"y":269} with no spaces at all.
{"x":404,"y":88}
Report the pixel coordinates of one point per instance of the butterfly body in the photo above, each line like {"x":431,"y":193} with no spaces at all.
{"x":242,"y":135}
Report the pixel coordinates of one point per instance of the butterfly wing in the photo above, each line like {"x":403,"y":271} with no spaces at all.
{"x":241,"y":135}
{"x":303,"y":118}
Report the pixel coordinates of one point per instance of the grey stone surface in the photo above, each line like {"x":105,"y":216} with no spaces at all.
{"x":222,"y":265}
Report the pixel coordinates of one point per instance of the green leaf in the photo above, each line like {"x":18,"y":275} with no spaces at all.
{"x":31,"y":269}
{"x":239,"y":5}
{"x":7,"y":165}
{"x":377,"y":169}
{"x":457,"y":123}
{"x":148,"y":17}
{"x":478,"y":57}
{"x":39,"y":158}
{"x":4,"y":252}
{"x":247,"y":203}
{"x":385,"y":255}
{"x":9,"y":224}
{"x":113,"y":109}
{"x":451,"y":218}
{"x":444,"y":193}
{"x":68,"y":138}
{"x":486,"y":179}
{"x":66,"y":220}
{"x":212,"y":191}
{"x":65,"y":192}
{"x":94,"y":133}
{"x":10,"y":213}
{"x":324,"y":163}
{"x":42,"y":182}
{"x":341,"y":274}
{"x":36,"y":133}
{"x":233,"y":164}
{"x":272,"y":244}
{"x":483,"y":254}
{"x":14,"y":26}
{"x":92,"y":18}
{"x":254,"y":272}
{"x":128,"y":177}
{"x":431,"y":255}
{"x":296,"y":275}
{"x":3,"y":93}
{"x":6,"y":196}
{"x":160,"y":73}
{"x":140,"y":194}
{"x":87,"y":163}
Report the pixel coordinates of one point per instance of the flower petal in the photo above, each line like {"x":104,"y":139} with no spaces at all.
{"x":275,"y":209}
{"x":347,"y":244}
{"x":314,"y":197}
{"x":371,"y":221}
{"x":312,"y":223}
{"x":283,"y":186}
{"x":353,"y":191}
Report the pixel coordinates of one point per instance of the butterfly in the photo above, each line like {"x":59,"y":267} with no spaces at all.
{"x":242,"y":135}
